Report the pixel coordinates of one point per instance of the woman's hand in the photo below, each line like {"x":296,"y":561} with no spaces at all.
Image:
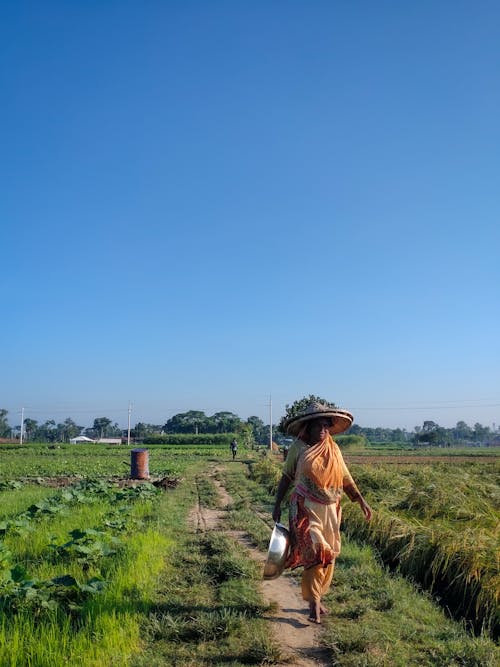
{"x":276,"y":514}
{"x":365,"y":508}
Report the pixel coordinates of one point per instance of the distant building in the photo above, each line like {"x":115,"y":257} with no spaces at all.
{"x":79,"y":439}
{"x":109,"y":441}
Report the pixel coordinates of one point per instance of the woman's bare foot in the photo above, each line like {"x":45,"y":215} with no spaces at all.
{"x":324,"y":611}
{"x":315,"y":612}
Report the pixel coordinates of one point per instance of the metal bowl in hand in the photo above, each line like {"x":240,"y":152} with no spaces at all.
{"x":277,"y":552}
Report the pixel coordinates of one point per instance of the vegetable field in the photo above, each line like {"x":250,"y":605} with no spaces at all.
{"x":96,"y":569}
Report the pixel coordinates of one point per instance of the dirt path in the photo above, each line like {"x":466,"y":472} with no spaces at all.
{"x":298,"y":639}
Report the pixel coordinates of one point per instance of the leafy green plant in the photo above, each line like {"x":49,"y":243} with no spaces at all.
{"x":19,"y":594}
{"x":299,"y":406}
{"x":10,"y":484}
{"x":87,"y":546}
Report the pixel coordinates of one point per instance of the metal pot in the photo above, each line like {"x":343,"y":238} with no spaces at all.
{"x":277,"y":552}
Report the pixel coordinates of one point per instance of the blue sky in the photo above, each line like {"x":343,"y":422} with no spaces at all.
{"x":207,"y":204}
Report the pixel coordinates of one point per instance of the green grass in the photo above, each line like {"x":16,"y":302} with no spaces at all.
{"x":35,"y":460}
{"x":18,"y":500}
{"x":108,"y":631}
{"x":105,"y":627}
{"x":208,"y":610}
{"x":171,"y":596}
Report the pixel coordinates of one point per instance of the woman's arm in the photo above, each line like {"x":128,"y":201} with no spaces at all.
{"x":365,"y":508}
{"x":283,"y":487}
{"x":353,"y":493}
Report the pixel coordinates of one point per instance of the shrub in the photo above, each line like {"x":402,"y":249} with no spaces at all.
{"x":351,"y":442}
{"x":190,"y":439}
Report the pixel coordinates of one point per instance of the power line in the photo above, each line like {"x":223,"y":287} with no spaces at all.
{"x":430,"y":407}
{"x":78,"y":410}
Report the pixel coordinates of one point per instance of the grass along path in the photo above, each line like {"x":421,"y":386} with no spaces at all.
{"x":207,"y":609}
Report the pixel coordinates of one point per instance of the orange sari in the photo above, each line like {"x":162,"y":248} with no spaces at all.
{"x":319,"y":475}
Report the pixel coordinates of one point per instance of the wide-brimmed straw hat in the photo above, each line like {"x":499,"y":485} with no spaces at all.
{"x":341,"y":419}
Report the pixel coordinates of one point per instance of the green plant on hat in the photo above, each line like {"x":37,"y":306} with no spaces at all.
{"x":297,"y":407}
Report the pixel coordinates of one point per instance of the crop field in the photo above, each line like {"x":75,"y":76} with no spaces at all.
{"x":97,"y":570}
{"x":439,"y":523}
{"x":92,"y":461}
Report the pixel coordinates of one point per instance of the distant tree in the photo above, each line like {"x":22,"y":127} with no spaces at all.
{"x":193,"y":421}
{"x":225,"y":422}
{"x":30,"y":427}
{"x":114,"y":431}
{"x":68,"y":429}
{"x":196,"y":421}
{"x":139,"y":431}
{"x":429,"y":426}
{"x":142,"y":430}
{"x":442,"y":436}
{"x":4,"y":426}
{"x":101,"y":425}
{"x":244,"y":433}
{"x":260,"y":432}
{"x":398,"y":435}
{"x":432,"y":434}
{"x":461,"y":432}
{"x":46,"y":432}
{"x":481,"y":433}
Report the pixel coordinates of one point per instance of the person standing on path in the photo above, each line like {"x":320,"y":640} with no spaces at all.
{"x":234,"y":447}
{"x":317,"y":473}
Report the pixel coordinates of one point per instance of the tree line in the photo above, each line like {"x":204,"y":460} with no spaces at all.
{"x":251,"y":429}
{"x":50,"y":431}
{"x":191,"y":422}
{"x":432,"y":434}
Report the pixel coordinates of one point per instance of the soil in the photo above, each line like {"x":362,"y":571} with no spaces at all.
{"x":298,"y":639}
{"x":55,"y":482}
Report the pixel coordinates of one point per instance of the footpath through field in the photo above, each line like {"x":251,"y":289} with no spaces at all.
{"x":298,"y":639}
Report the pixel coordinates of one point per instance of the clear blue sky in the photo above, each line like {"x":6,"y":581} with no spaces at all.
{"x":205,"y":204}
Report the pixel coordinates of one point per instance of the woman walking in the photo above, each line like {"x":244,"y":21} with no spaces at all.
{"x":317,"y":473}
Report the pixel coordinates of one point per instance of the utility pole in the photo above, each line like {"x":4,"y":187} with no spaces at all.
{"x":22,"y":427}
{"x":128,"y":430}
{"x":270,"y":424}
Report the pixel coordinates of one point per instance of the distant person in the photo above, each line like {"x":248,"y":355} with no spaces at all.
{"x":316,"y":471}
{"x":234,"y":447}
